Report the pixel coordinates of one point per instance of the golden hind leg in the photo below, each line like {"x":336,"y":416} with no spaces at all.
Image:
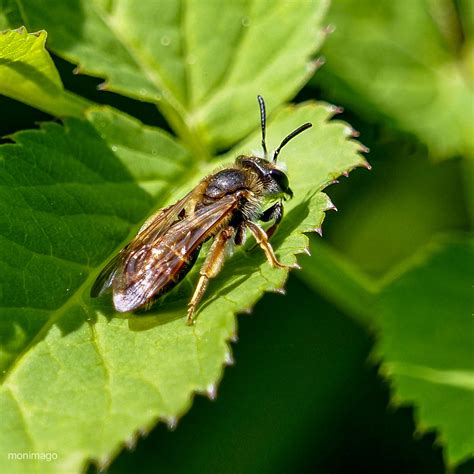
{"x":262,"y":239}
{"x":210,"y":268}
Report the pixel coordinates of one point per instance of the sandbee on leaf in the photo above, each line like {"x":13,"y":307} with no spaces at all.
{"x":222,"y":207}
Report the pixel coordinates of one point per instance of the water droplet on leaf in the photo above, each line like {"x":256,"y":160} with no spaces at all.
{"x":165,"y":40}
{"x":245,"y":20}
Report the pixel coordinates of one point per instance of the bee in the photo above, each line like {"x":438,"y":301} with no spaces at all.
{"x":222,"y":207}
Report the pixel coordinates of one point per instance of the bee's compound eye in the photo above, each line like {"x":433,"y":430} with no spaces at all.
{"x":281,"y":179}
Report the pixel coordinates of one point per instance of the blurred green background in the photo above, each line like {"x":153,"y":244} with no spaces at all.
{"x":307,"y":397}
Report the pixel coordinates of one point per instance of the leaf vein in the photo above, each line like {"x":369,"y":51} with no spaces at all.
{"x":27,"y":429}
{"x":107,"y":371}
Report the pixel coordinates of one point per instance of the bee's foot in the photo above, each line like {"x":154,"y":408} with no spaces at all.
{"x":294,"y":266}
{"x":190,"y":321}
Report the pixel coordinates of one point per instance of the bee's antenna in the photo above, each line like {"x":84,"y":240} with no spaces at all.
{"x":292,"y":135}
{"x":263,"y":121}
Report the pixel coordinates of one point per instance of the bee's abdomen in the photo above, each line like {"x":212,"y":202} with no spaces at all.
{"x":225,"y":182}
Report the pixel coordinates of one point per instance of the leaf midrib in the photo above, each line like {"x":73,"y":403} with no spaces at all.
{"x":463,"y":379}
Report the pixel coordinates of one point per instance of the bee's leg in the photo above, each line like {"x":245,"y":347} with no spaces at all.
{"x":210,"y":268}
{"x":262,"y":240}
{"x":239,"y":238}
{"x":274,"y":213}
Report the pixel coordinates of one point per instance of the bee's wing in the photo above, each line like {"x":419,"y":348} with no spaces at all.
{"x":150,"y":265}
{"x":154,"y":226}
{"x":106,"y":276}
{"x":159,"y":222}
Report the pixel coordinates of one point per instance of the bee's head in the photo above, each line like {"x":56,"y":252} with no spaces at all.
{"x":276,"y":181}
{"x":280,"y":179}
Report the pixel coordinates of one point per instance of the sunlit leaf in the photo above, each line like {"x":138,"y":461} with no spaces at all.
{"x":426,"y":342}
{"x":79,"y":379}
{"x":28,"y":74}
{"x":196,"y":60}
{"x":421,"y":314}
{"x":406,"y":63}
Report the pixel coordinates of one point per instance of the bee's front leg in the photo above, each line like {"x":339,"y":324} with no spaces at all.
{"x":210,"y":268}
{"x":274,"y":213}
{"x":262,"y":239}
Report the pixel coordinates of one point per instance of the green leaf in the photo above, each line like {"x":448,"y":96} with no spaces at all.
{"x":196,"y":60}
{"x":399,"y":207}
{"x":426,"y":342}
{"x":28,"y":74}
{"x":303,"y":352}
{"x":80,"y":379}
{"x":466,"y":14}
{"x":10,"y":15}
{"x":404,"y":62}
{"x":421,"y":313}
